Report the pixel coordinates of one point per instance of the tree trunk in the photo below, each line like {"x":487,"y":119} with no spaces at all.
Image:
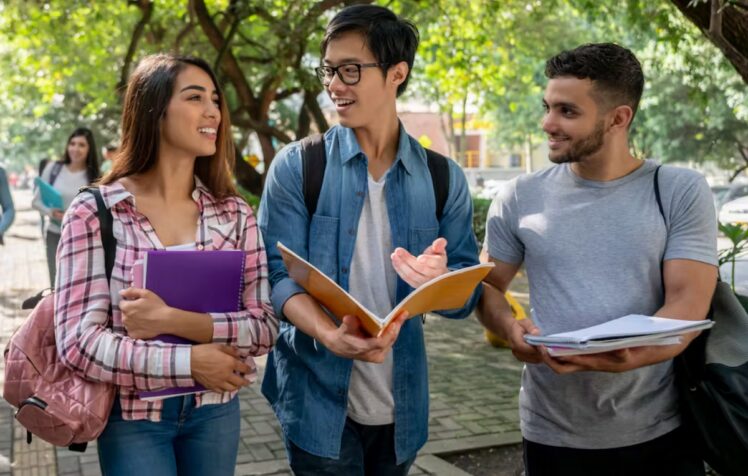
{"x":249,"y":178}
{"x":725,"y":26}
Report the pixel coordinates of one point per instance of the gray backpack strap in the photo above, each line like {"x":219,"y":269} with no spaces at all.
{"x":56,"y":169}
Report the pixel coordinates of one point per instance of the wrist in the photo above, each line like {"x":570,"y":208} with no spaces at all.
{"x":506,"y":322}
{"x":166,"y":320}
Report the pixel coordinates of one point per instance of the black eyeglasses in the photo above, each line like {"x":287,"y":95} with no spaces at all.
{"x":349,"y":73}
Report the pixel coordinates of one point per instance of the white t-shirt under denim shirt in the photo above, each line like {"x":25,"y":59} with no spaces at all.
{"x":372,"y":283}
{"x":592,"y":251}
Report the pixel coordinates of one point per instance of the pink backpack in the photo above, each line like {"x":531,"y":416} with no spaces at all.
{"x":54,"y":403}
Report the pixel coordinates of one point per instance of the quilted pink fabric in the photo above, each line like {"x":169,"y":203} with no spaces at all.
{"x":54,"y":403}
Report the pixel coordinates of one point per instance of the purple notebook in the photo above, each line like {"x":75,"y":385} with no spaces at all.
{"x":197,"y":281}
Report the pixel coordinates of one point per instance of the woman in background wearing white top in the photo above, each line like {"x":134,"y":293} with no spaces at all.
{"x":78,"y":168}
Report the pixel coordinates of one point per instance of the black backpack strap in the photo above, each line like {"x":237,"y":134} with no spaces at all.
{"x":313,"y":160}
{"x":56,"y":169}
{"x":107,"y":235}
{"x":657,"y":193}
{"x":439,"y":170}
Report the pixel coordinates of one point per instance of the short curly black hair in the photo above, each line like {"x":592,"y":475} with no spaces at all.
{"x":616,"y":73}
{"x":390,"y":38}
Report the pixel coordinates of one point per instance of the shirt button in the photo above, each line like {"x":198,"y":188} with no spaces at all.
{"x":344,"y":270}
{"x":200,"y":247}
{"x":359,"y":194}
{"x":351,"y":231}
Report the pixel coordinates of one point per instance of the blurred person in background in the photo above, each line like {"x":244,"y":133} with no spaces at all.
{"x":78,"y":167}
{"x":6,"y":203}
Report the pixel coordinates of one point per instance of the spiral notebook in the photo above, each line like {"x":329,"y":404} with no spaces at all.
{"x":196,"y":281}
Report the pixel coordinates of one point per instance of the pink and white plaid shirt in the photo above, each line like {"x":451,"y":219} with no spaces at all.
{"x":97,"y":346}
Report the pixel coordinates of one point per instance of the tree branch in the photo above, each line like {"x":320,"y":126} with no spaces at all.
{"x":227,"y":41}
{"x":146,"y":9}
{"x":281,"y":95}
{"x":229,"y":64}
{"x":247,"y":122}
{"x":311,"y":104}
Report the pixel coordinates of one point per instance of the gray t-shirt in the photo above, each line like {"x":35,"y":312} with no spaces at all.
{"x":592,"y":251}
{"x":372,"y":283}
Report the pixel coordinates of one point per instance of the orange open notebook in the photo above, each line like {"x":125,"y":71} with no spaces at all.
{"x":448,"y":291}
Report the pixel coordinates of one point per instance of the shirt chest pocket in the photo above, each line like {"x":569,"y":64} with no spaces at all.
{"x":323,"y":244}
{"x":421,"y":238}
{"x":223,"y":236}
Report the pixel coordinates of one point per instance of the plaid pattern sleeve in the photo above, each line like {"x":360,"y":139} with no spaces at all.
{"x":85,"y":340}
{"x":253,"y":329}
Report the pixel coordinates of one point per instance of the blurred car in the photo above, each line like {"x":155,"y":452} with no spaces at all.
{"x":735,"y":212}
{"x":727,"y":193}
{"x":719,"y":192}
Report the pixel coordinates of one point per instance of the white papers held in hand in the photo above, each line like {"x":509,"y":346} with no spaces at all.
{"x":634,"y":330}
{"x":448,"y":291}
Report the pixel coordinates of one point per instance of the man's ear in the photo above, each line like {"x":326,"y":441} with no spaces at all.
{"x":398,"y":73}
{"x":622,"y":117}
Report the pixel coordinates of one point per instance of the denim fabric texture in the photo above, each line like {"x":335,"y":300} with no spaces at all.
{"x":306,"y":384}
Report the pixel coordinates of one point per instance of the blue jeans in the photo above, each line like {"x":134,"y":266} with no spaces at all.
{"x":364,"y":451}
{"x":187,"y":441}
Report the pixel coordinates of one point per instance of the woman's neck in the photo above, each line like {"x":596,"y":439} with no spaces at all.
{"x":76,"y":167}
{"x":169,"y":180}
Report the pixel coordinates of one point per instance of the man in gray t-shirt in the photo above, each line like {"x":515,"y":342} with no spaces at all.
{"x":592,"y":239}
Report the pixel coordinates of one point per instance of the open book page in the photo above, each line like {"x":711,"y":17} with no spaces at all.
{"x":326,"y":291}
{"x":631,"y":326}
{"x":449,"y":291}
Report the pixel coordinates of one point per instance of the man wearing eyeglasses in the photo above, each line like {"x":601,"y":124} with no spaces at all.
{"x":351,"y":404}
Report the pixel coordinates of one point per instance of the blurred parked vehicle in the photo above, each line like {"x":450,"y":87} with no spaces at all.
{"x":727,"y":193}
{"x":719,"y":192}
{"x":735,"y":211}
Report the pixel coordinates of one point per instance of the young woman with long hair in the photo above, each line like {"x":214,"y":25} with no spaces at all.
{"x":78,"y":167}
{"x":169,"y":188}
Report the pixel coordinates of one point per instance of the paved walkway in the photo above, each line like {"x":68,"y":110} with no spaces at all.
{"x":473,"y":386}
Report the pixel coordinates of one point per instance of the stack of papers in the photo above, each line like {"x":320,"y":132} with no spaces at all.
{"x":634,"y":330}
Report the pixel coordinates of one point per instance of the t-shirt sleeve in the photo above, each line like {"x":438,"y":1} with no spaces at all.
{"x":502,"y":240}
{"x":692,"y":232}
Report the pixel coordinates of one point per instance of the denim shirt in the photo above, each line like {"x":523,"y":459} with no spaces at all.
{"x":306,"y":384}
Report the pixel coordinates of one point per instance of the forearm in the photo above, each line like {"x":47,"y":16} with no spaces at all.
{"x":9,"y":213}
{"x":308,"y":316}
{"x":8,"y":216}
{"x":194,"y":326}
{"x":37,"y":204}
{"x":494,"y":311}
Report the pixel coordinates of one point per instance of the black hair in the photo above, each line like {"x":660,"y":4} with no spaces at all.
{"x":390,"y":38}
{"x":92,"y":159}
{"x":616,"y":73}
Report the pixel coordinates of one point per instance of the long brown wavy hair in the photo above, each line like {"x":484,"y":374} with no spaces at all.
{"x":149,"y":91}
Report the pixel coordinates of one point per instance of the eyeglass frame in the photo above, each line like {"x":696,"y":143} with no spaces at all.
{"x":336,"y":70}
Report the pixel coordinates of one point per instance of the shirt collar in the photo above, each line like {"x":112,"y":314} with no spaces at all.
{"x":116,"y":192}
{"x":407,"y":151}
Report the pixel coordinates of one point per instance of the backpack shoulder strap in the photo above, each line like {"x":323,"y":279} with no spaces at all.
{"x":56,"y":169}
{"x":657,"y":193}
{"x":107,"y":235}
{"x":313,"y":160}
{"x":439,"y":170}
